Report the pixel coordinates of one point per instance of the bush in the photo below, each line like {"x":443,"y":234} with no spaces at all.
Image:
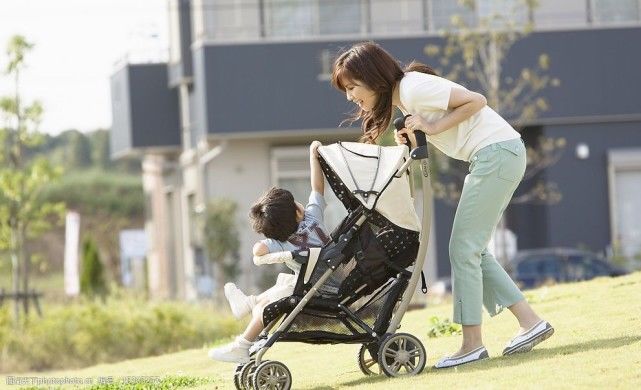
{"x":439,"y":327}
{"x":89,"y":332}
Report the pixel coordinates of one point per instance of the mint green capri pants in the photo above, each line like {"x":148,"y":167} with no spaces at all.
{"x":477,"y":278}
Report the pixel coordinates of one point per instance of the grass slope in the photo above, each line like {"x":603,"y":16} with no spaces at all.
{"x":597,"y":344}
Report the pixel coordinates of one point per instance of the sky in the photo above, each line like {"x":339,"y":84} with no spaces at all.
{"x":78,"y":46}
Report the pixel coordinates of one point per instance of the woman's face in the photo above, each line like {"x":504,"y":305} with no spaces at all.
{"x":360,"y":94}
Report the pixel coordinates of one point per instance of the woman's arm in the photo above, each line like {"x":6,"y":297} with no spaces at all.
{"x":463,"y":103}
{"x":316,"y":174}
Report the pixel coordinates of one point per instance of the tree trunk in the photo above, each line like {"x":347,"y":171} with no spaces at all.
{"x":26,"y":268}
{"x":15,"y":267}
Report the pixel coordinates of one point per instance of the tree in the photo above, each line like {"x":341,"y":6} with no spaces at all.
{"x":92,"y":278}
{"x":100,"y":149}
{"x":221,"y":237}
{"x":23,"y":213}
{"x":79,"y":151}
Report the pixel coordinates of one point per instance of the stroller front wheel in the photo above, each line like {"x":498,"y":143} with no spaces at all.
{"x":366,"y":363}
{"x":245,"y":375}
{"x":237,"y":381}
{"x":272,"y":375}
{"x":401,"y":354}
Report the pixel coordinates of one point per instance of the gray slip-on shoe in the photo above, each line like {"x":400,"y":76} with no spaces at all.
{"x":526,"y":341}
{"x":451,"y":361}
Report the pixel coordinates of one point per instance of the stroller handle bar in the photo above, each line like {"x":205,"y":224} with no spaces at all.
{"x":422,"y":249}
{"x":420,"y":151}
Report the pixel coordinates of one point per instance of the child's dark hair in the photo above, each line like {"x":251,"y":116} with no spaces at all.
{"x":274,"y":214}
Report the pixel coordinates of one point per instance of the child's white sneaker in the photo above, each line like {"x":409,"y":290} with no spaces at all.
{"x":240,"y":303}
{"x":235,"y":352}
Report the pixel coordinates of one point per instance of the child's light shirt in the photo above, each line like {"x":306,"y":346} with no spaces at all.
{"x":311,"y":233}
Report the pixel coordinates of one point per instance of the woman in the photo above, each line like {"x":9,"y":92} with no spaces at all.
{"x":460,"y":124}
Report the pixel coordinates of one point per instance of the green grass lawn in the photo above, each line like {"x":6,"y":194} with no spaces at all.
{"x":597,"y":344}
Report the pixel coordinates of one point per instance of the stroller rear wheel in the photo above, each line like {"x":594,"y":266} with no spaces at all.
{"x":272,"y":375}
{"x":401,"y":354}
{"x":367,"y":364}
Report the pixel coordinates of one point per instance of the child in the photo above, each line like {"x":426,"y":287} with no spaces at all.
{"x":287,"y":226}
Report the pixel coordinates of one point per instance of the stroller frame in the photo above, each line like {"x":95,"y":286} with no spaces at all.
{"x":249,"y":375}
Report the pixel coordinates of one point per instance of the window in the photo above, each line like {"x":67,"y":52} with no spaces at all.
{"x":227,"y":19}
{"x":397,"y":16}
{"x":615,"y":11}
{"x":528,"y":268}
{"x":493,"y":12}
{"x":339,"y":17}
{"x":566,"y":13}
{"x":502,"y":11}
{"x":585,"y":267}
{"x":444,"y":10}
{"x":551,"y":269}
{"x":288,"y":18}
{"x":579,"y":268}
{"x":301,"y":18}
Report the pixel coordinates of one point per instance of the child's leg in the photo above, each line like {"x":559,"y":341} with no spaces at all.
{"x":256,"y":324}
{"x":238,"y":350}
{"x":239,"y":303}
{"x":283,"y":287}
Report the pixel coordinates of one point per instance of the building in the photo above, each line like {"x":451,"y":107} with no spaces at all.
{"x":246,"y":89}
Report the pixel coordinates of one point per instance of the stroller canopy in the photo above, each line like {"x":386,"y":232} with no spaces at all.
{"x":368,"y":171}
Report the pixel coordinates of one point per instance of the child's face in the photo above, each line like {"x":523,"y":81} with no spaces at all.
{"x":300,"y":212}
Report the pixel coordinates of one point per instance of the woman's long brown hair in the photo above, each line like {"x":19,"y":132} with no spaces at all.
{"x":370,"y":64}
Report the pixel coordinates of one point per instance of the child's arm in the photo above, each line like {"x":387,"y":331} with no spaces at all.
{"x":260,"y":249}
{"x":263,"y":256}
{"x":316,"y":174}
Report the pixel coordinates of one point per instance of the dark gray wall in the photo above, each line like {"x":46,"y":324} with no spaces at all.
{"x":256,"y":88}
{"x":147,"y":114}
{"x":582,"y":217}
{"x":276,"y":86}
{"x":598,"y":69}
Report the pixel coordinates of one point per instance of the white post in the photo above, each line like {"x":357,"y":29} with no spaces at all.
{"x":72,"y":237}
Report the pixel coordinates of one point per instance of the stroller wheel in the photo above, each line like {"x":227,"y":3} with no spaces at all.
{"x":237,"y":371}
{"x":272,"y":375}
{"x":401,"y":354}
{"x":367,"y":364}
{"x":244,"y":376}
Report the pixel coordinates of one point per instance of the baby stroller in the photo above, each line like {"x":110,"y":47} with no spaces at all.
{"x":357,"y":287}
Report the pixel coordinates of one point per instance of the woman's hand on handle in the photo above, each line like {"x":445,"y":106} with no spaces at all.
{"x":413,"y":123}
{"x":417,"y":122}
{"x":400,"y":140}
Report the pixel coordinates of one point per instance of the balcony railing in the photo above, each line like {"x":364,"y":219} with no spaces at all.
{"x":234,"y":20}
